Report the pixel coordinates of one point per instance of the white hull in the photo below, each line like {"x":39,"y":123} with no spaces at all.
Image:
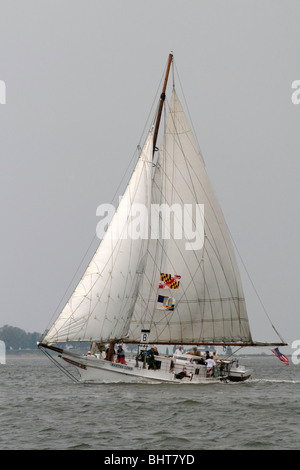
{"x":94,"y":370}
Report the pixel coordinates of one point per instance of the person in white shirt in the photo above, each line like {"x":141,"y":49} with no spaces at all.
{"x":210,"y":364}
{"x":178,"y":351}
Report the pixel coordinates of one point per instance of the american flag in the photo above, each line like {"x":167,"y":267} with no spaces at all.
{"x":280,"y":356}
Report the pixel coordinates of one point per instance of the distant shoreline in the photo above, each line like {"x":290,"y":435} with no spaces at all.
{"x":22,"y":352}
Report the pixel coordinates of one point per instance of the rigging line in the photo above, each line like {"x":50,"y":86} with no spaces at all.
{"x":158,"y":90}
{"x":87,"y":250}
{"x":141,"y":137}
{"x":234,"y":352}
{"x":195,"y":135}
{"x":162,"y":244}
{"x":147,"y":315}
{"x":113,"y":198}
{"x":218,"y":255}
{"x":159,"y":250}
{"x":83,"y":258}
{"x":59,"y":366}
{"x":223,"y":236}
{"x":171,"y":261}
{"x":255,"y":290}
{"x":173,"y":72}
{"x":166,"y":257}
{"x":116,"y":250}
{"x":152,"y":106}
{"x":156,"y":247}
{"x":70,"y":283}
{"x":177,"y":141}
{"x":188,"y":111}
{"x":214,"y":195}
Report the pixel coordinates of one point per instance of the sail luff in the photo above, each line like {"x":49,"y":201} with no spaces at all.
{"x":101,"y":305}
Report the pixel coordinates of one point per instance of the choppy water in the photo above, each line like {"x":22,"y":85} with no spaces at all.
{"x":41,"y":409}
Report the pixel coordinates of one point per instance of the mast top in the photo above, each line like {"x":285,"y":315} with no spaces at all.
{"x":161,"y":102}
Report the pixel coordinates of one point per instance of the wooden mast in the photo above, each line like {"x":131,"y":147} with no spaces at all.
{"x":161,"y":103}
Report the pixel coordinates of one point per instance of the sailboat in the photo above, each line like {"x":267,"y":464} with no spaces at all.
{"x":165,"y":273}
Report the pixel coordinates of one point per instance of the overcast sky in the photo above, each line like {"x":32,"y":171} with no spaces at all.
{"x":80,"y":80}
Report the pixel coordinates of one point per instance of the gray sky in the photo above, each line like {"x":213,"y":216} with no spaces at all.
{"x":80,"y":80}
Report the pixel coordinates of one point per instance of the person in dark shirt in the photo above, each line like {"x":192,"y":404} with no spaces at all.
{"x":121,"y":355}
{"x":152,"y":362}
{"x":110,"y":352}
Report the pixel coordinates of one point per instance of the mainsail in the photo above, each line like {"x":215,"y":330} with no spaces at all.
{"x":181,"y":284}
{"x":208,"y":306}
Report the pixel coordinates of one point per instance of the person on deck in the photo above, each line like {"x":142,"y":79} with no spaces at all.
{"x":110,"y":352}
{"x":178,"y":351}
{"x":121,"y":355}
{"x":207,"y":355}
{"x":215,"y":357}
{"x":195,"y":352}
{"x":157,"y":363}
{"x":210,"y":364}
{"x":151,"y":361}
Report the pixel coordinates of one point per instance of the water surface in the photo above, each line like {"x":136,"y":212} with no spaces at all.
{"x":42,"y":409}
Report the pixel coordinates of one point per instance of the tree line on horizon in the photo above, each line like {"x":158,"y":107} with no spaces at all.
{"x":16,"y":338}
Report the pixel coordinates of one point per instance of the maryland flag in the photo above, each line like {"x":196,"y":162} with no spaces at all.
{"x":169,"y":281}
